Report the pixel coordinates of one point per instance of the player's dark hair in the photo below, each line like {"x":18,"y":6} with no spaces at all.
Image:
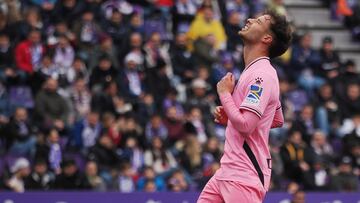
{"x":281,"y":33}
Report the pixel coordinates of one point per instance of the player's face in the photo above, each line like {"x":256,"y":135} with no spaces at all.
{"x":255,"y":29}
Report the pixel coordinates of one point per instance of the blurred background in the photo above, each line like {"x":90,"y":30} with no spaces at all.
{"x":115,"y":95}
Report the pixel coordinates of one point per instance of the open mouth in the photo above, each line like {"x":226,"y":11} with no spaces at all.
{"x":246,"y":27}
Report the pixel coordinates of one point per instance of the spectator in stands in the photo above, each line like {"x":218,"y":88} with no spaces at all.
{"x":64,"y":54}
{"x":20,"y":170}
{"x":95,"y":181}
{"x":351,"y":102}
{"x":211,"y":152}
{"x":40,"y":178}
{"x":159,"y":157}
{"x":150,"y":175}
{"x":304,"y":61}
{"x":86,"y":131}
{"x":126,"y":182}
{"x":159,"y":83}
{"x":227,"y":65}
{"x":350,"y":74}
{"x":133,"y":154}
{"x":5,"y":106}
{"x":6,"y":53}
{"x":205,"y":24}
{"x":80,"y":97}
{"x":61,"y":28}
{"x":11,"y":11}
{"x":174,"y":124}
{"x":183,"y":14}
{"x":150,"y":186}
{"x":31,"y":21}
{"x":204,"y":51}
{"x":327,"y":110}
{"x":69,"y":10}
{"x":111,"y":127}
{"x":87,"y":32}
{"x":132,"y":128}
{"x":77,"y":70}
{"x":155,"y":128}
{"x":345,"y":180}
{"x":321,"y":147}
{"x":200,"y":97}
{"x":50,"y":107}
{"x":106,"y":47}
{"x":19,"y":132}
{"x":156,"y":52}
{"x":46,"y":69}
{"x":181,"y":59}
{"x":131,"y":80}
{"x":177,"y":182}
{"x":330,"y":60}
{"x":29,"y":52}
{"x":103,"y":101}
{"x":116,"y":27}
{"x":191,"y":158}
{"x":305,"y":123}
{"x":297,"y":158}
{"x":235,"y":22}
{"x":70,"y":178}
{"x":195,"y":125}
{"x":352,"y":138}
{"x":55,"y":152}
{"x":171,"y":101}
{"x":298,"y":197}
{"x":48,"y":148}
{"x":103,"y":73}
{"x":104,"y":154}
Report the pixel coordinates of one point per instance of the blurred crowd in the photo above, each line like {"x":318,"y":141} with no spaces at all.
{"x":115,"y":95}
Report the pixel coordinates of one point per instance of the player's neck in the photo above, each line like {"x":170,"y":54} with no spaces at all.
{"x":253,"y":52}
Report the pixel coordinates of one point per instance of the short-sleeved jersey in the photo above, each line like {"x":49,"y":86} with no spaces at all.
{"x":257,"y":91}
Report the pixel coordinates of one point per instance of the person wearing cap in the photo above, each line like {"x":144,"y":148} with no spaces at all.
{"x":345,"y":180}
{"x":20,"y":170}
{"x":330,"y":60}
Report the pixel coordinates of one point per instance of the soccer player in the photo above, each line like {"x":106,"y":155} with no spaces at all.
{"x":249,"y":110}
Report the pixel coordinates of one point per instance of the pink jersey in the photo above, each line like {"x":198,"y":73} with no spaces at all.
{"x":257,"y":91}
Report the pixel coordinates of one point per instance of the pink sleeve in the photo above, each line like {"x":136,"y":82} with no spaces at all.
{"x":259,"y":92}
{"x":243,"y":121}
{"x":278,"y":120}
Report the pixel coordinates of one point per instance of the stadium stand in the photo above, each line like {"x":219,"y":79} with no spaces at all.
{"x":115,"y":95}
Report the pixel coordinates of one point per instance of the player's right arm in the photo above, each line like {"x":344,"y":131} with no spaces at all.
{"x":278,"y":120}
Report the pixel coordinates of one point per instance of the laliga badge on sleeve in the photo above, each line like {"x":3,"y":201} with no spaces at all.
{"x":256,"y":90}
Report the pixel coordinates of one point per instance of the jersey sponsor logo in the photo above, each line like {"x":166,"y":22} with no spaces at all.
{"x":253,"y":98}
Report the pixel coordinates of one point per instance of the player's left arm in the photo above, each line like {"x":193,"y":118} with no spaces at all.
{"x":278,"y":120}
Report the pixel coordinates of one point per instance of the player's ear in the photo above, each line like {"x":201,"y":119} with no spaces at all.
{"x":267,"y":39}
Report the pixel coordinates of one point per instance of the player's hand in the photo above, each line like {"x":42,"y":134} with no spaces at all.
{"x":220,"y":115}
{"x":226,"y":84}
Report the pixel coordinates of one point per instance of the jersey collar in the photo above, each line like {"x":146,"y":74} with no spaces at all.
{"x":256,"y":60}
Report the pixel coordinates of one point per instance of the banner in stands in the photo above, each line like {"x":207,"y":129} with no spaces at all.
{"x":138,"y":197}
